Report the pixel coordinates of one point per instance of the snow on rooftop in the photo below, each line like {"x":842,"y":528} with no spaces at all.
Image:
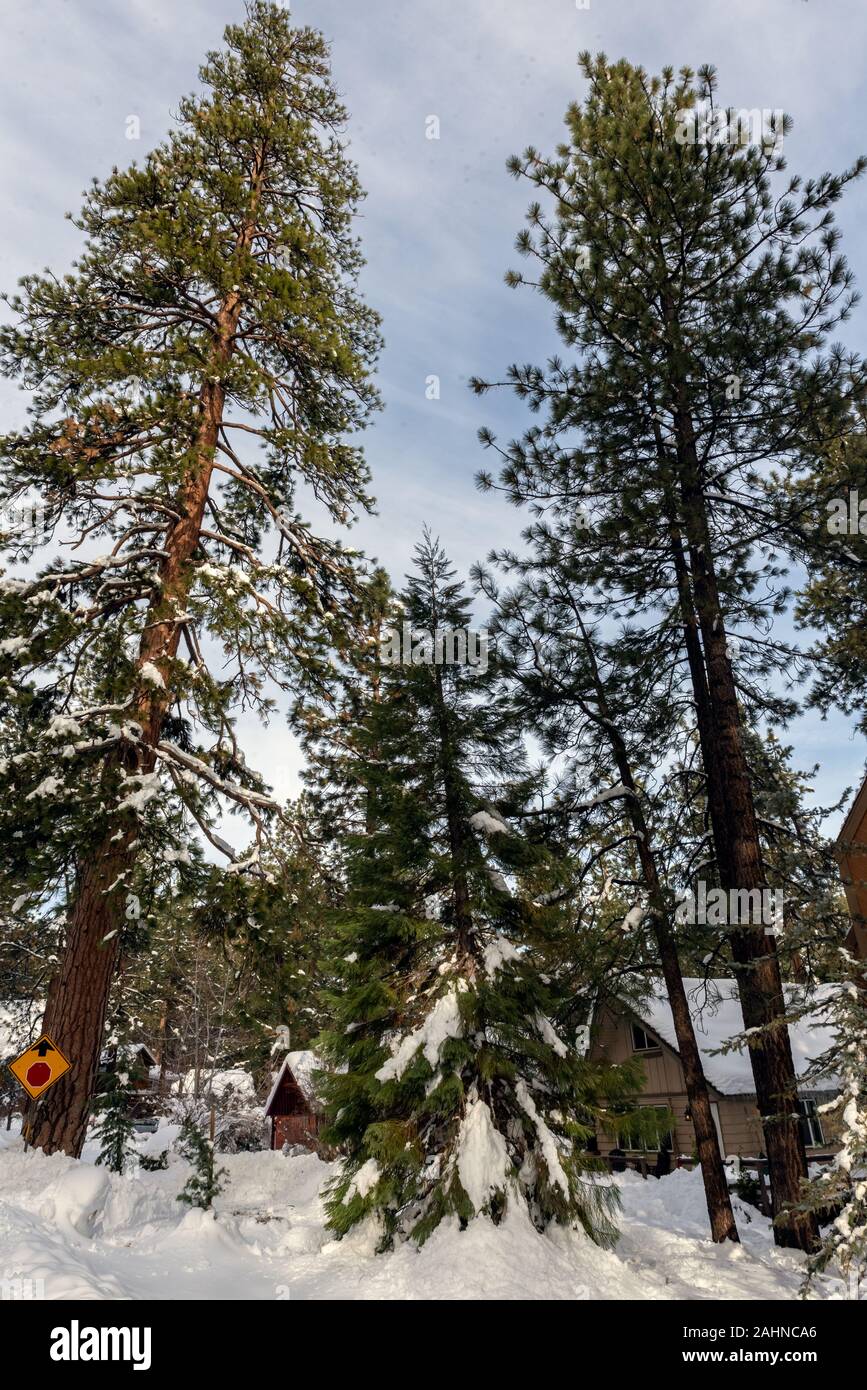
{"x":716,"y":1015}
{"x":303,"y":1065}
{"x":217,"y":1083}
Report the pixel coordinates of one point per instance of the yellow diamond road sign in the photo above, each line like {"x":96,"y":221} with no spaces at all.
{"x":40,"y":1066}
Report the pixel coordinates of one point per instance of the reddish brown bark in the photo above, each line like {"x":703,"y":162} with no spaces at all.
{"x":738,"y":852}
{"x":716,"y":1191}
{"x":78,"y":996}
{"x":75,"y":1010}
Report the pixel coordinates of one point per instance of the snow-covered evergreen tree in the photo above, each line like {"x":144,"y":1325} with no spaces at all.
{"x":205,"y":1182}
{"x":329,"y":718}
{"x":460,"y":1096}
{"x":114,"y":1130}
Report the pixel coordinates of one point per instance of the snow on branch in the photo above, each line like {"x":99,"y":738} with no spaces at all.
{"x":23,"y":589}
{"x":489,"y":824}
{"x":170,"y":753}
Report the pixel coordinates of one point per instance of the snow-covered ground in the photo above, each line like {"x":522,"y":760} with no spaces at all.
{"x":86,"y":1233}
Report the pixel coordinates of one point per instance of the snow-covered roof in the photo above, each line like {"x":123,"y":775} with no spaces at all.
{"x":716,"y":1015}
{"x":302,"y":1064}
{"x":128,"y":1052}
{"x":217,"y":1083}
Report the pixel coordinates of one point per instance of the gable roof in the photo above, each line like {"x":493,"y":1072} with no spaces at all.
{"x":129,"y":1052}
{"x":855,"y":815}
{"x":716,"y":1015}
{"x":300,"y":1067}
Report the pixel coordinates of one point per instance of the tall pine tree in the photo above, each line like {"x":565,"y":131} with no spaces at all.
{"x":697,"y":302}
{"x":203,"y":362}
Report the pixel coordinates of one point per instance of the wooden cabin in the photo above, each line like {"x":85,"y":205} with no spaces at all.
{"x":293,"y":1107}
{"x":851,"y":850}
{"x":621,"y":1032}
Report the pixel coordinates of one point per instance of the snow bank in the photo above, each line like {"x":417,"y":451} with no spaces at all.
{"x":79,"y":1198}
{"x":87,"y":1233}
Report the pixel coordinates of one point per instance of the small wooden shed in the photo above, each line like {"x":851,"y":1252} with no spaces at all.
{"x":137,"y":1057}
{"x":293,"y":1106}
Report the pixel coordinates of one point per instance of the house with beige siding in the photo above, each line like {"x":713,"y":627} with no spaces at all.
{"x":621,"y":1032}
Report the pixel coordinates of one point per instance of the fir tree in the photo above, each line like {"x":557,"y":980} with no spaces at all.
{"x":204,"y":1183}
{"x":199,"y":368}
{"x":329,"y":717}
{"x":459,"y":1096}
{"x":698,"y":303}
{"x":115,"y":1128}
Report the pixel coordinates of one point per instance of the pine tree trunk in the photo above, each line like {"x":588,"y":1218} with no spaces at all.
{"x":163,"y":1046}
{"x":716,"y":1190}
{"x":78,"y":997}
{"x":76,"y":1007}
{"x":739,"y":862}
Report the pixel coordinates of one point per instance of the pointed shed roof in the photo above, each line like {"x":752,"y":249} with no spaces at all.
{"x":300,"y":1067}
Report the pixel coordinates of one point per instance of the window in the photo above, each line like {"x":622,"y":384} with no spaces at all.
{"x":811,"y":1125}
{"x":641,"y":1041}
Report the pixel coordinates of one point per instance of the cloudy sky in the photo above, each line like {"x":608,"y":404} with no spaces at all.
{"x":441,"y":215}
